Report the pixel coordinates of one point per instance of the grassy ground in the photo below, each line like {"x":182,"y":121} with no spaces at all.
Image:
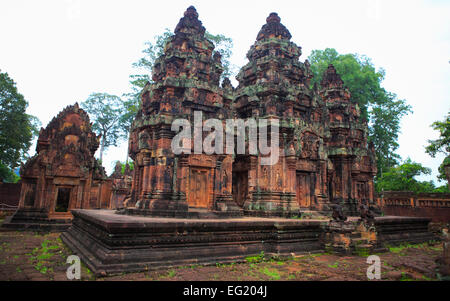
{"x":42,"y":256}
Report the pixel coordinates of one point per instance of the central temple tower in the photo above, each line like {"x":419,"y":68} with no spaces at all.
{"x":275,"y":85}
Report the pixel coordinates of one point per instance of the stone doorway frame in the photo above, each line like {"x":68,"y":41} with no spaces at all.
{"x":72,"y":198}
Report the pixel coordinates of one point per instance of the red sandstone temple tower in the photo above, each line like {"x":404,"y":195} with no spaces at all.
{"x":323,"y":145}
{"x":323,"y":152}
{"x":64,"y":174}
{"x":352,"y":162}
{"x":275,"y":85}
{"x":185,"y":80}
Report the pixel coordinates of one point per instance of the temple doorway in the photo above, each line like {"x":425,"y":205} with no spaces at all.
{"x":304,"y":189}
{"x":63,"y":199}
{"x":198,"y":188}
{"x":240,"y":187}
{"x":30,"y":194}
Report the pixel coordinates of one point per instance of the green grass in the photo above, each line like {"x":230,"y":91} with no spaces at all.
{"x":334,"y":265}
{"x":406,"y":277}
{"x":40,"y":255}
{"x":272,"y":273}
{"x":255,"y":259}
{"x":362,"y":252}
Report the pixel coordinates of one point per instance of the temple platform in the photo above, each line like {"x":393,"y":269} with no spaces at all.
{"x":37,"y":220}
{"x":110,"y":243}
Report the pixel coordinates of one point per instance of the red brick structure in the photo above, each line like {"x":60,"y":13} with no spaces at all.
{"x":9,"y":196}
{"x":121,"y":185}
{"x":63,"y":175}
{"x":406,"y":203}
{"x":324,"y":156}
{"x":324,"y":159}
{"x":186,"y":79}
{"x":445,"y":268}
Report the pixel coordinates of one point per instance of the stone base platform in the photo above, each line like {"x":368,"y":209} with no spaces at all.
{"x":110,"y":243}
{"x":36,"y":220}
{"x":191,"y":213}
{"x":394,"y":230}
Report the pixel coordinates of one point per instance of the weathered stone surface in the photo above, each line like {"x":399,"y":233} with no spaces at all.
{"x":121,"y":186}
{"x":185,"y":79}
{"x":407,"y":203}
{"x":393,"y":230}
{"x":444,"y":261}
{"x":324,"y":155}
{"x":110,"y":243}
{"x":63,"y":175}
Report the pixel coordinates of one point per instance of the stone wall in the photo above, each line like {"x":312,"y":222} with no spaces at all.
{"x":405,"y":203}
{"x":9,"y":196}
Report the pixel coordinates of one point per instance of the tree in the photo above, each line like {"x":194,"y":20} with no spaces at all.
{"x":124,"y":165}
{"x":384,"y":129}
{"x":224,"y":46}
{"x":441,"y":145}
{"x":402,"y":178}
{"x":151,"y":52}
{"x":381,"y":108}
{"x":17,"y":128}
{"x":105,"y":111}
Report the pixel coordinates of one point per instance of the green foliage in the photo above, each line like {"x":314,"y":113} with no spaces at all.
{"x":105,"y":111}
{"x":272,"y":273}
{"x":255,"y":259}
{"x":17,"y":128}
{"x":402,"y":178}
{"x":7,"y":174}
{"x":441,"y":145}
{"x":130,"y":164}
{"x":155,"y":49}
{"x":334,"y":265}
{"x":151,"y":52}
{"x":381,"y":108}
{"x":40,"y":256}
{"x":224,"y":46}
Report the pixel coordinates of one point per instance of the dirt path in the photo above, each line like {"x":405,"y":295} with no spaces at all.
{"x":42,"y":256}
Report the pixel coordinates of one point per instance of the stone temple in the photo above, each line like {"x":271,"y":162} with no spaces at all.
{"x":62,"y":176}
{"x":324,"y":155}
{"x":191,"y":208}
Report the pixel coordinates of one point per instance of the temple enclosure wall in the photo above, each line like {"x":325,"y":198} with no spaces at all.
{"x":9,"y":196}
{"x":406,"y":203}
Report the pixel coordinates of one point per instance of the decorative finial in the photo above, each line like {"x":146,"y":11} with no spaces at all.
{"x":191,"y":12}
{"x":190,"y":24}
{"x":331,"y":78}
{"x":273,"y":28}
{"x":273,"y":18}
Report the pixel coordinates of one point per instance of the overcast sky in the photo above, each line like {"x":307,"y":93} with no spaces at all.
{"x":60,"y":51}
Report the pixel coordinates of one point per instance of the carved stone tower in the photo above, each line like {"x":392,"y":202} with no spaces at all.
{"x":185,"y":84}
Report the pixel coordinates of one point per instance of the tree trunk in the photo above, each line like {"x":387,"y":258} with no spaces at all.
{"x":126,"y":159}
{"x":102,"y":148}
